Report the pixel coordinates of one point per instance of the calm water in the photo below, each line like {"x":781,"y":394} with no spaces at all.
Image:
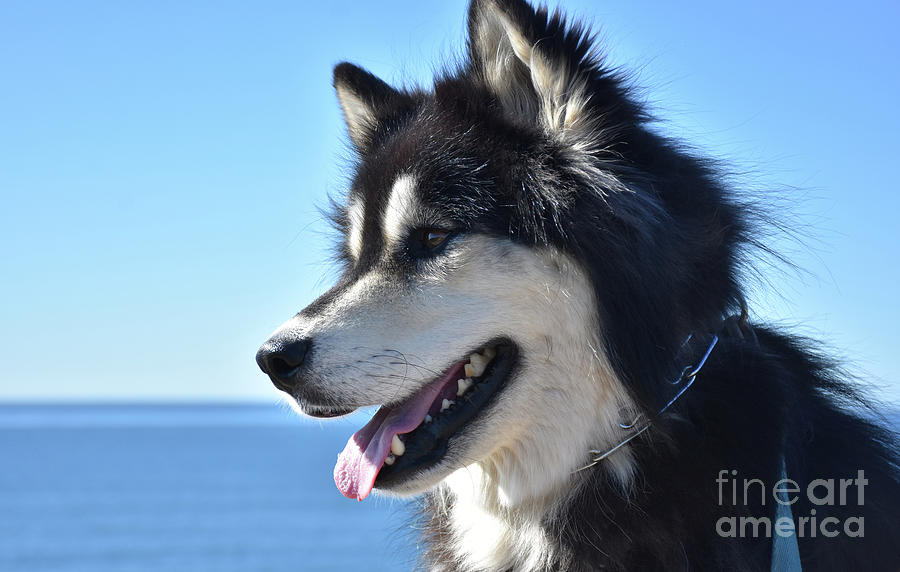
{"x":187,"y":488}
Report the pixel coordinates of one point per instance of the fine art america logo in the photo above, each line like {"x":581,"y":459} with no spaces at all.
{"x":786,"y":492}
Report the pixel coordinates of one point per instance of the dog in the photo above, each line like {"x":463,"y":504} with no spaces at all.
{"x":544,"y":297}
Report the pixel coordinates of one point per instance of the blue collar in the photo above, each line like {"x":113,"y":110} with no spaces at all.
{"x":785,"y":550}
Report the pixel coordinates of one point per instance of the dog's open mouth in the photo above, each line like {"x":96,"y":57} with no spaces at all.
{"x":405,"y":437}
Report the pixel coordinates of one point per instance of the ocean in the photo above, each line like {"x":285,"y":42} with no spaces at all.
{"x":97,"y":488}
{"x":193,"y":488}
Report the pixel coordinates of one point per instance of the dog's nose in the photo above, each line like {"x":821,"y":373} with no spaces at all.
{"x":281,"y":361}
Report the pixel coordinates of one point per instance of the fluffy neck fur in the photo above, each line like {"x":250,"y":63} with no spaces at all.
{"x":493,"y":514}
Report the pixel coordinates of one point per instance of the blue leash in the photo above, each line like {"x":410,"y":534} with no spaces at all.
{"x":785,"y":550}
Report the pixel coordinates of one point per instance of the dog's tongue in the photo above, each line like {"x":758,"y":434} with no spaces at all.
{"x":362,"y":458}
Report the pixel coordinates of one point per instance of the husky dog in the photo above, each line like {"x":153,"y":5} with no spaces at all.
{"x":535,"y":290}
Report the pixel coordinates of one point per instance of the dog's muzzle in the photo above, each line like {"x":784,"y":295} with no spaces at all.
{"x":282,"y":360}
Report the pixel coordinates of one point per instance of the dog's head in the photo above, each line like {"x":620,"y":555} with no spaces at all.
{"x":504,"y":251}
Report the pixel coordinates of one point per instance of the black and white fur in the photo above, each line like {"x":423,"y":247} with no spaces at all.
{"x":596,"y":246}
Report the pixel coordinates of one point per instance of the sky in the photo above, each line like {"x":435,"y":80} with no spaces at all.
{"x":162,"y":165}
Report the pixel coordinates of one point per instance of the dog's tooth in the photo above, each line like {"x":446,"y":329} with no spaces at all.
{"x":446,"y":404}
{"x":490,"y":353}
{"x":397,"y":446}
{"x":469,"y":370}
{"x":463,"y":386}
{"x":390,"y":459}
{"x":479,"y":363}
{"x":427,"y":418}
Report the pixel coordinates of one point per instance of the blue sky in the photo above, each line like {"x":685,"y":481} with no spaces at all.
{"x":161,"y":165}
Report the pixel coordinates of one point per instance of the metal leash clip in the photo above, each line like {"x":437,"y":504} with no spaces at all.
{"x":688,"y":375}
{"x":736,"y":326}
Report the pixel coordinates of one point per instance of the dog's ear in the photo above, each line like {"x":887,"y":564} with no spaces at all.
{"x":367,"y":102}
{"x":530,"y":62}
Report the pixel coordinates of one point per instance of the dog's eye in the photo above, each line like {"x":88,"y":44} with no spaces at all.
{"x":433,"y":238}
{"x":428,"y":242}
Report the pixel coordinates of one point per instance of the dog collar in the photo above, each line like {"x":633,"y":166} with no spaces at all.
{"x":785,"y":549}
